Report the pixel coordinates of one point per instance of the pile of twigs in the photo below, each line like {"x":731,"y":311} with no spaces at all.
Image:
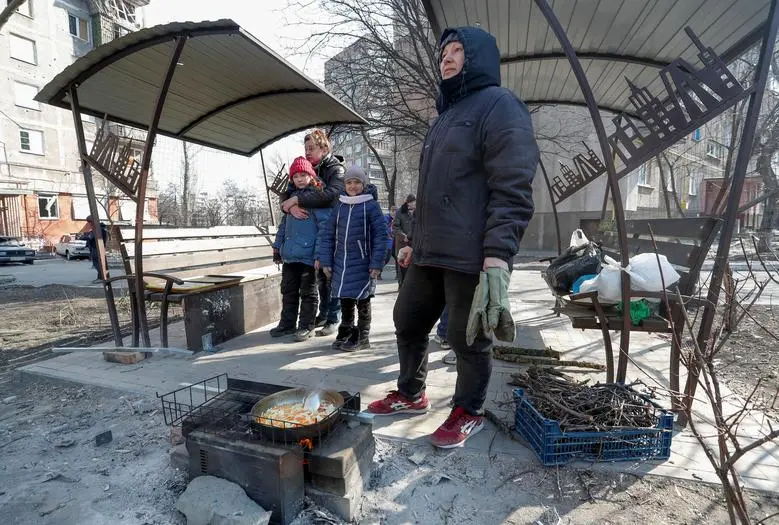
{"x":583,"y":408}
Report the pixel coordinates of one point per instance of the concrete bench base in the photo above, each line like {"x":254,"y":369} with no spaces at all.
{"x":213,"y":317}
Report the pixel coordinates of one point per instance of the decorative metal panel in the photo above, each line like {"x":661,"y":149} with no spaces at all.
{"x":692,"y":98}
{"x":116,"y":164}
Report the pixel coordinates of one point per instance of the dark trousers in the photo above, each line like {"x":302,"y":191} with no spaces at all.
{"x":421,"y":301}
{"x":443,"y":324}
{"x":329,"y":307}
{"x":363,"y":307}
{"x":298,"y":290}
{"x":401,"y":273}
{"x":95,"y":260}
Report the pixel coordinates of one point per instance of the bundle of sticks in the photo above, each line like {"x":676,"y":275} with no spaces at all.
{"x":582,"y":408}
{"x":533,"y":356}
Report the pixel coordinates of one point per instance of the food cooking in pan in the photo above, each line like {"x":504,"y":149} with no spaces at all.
{"x":291,"y":415}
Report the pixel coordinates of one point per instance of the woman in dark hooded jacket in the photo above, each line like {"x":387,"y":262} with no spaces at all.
{"x":474,"y":201}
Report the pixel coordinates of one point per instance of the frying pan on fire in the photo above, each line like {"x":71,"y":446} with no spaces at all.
{"x":279,"y":431}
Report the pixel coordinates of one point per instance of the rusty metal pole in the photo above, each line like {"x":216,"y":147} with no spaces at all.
{"x":619,"y":211}
{"x":141,"y":198}
{"x":86,"y":170}
{"x":554,"y":206}
{"x":267,"y":189}
{"x":734,"y":197}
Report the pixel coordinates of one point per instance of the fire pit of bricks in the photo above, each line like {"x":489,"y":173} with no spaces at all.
{"x":332,"y":469}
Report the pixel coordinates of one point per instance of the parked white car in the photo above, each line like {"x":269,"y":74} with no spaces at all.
{"x":71,"y":247}
{"x":12,"y":250}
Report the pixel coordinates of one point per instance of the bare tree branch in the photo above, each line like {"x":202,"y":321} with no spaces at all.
{"x":9,"y":10}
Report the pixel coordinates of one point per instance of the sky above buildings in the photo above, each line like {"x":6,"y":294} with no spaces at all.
{"x":280,"y":25}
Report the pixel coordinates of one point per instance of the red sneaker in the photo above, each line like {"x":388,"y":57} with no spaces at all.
{"x":395,"y":403}
{"x":458,"y":427}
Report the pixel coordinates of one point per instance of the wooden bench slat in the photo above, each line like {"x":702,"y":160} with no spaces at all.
{"x":172,"y":264}
{"x":226,"y":269}
{"x":651,"y":324}
{"x":689,"y":228}
{"x":677,"y":253}
{"x":128,"y":234}
{"x":164,"y":247}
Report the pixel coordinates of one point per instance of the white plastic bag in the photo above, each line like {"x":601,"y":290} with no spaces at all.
{"x":608,"y":283}
{"x":578,"y":239}
{"x":646,"y":274}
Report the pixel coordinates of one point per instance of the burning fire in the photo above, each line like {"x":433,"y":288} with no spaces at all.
{"x":308,"y":446}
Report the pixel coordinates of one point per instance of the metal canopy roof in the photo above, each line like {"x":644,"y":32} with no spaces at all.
{"x":613,"y":39}
{"x":229,"y":91}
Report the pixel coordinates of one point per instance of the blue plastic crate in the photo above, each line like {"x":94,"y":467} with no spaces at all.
{"x":555,"y":447}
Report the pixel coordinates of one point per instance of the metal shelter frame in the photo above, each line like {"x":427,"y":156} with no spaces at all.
{"x":694,"y":96}
{"x":226,"y":121}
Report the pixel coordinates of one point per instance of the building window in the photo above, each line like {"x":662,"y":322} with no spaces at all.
{"x":714,"y":149}
{"x":31,"y":141}
{"x":79,"y":27}
{"x":120,"y":31}
{"x":697,"y":134}
{"x":643,"y":177}
{"x":694,"y":182}
{"x":24,"y":95}
{"x":47,"y":207}
{"x":24,"y":9}
{"x":23,"y":49}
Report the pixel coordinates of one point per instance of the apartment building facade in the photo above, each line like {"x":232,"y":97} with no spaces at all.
{"x":42,"y":193}
{"x":687,"y":179}
{"x":346,"y":79}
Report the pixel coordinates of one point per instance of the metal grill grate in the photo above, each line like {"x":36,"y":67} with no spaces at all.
{"x":220,"y":405}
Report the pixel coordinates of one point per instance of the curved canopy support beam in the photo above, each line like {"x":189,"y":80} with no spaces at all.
{"x":587,"y":55}
{"x":243,"y":100}
{"x":608,"y":160}
{"x":576,"y":103}
{"x":554,"y":206}
{"x":139,"y":207}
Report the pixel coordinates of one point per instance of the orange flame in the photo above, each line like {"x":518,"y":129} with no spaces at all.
{"x":307,"y":445}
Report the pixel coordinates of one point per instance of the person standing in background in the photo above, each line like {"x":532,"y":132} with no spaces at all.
{"x":403,"y":228}
{"x":330,"y":170}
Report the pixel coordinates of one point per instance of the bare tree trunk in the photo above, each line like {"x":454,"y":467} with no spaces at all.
{"x":394,"y":181}
{"x":766,"y":171}
{"x":186,"y":183}
{"x":6,"y":13}
{"x":665,"y":187}
{"x":673,"y":185}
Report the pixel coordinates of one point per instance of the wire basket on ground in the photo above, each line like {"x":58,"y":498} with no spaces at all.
{"x":555,"y":447}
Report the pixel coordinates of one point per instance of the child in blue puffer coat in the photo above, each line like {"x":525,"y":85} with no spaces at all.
{"x":351,"y":251}
{"x":295,"y":246}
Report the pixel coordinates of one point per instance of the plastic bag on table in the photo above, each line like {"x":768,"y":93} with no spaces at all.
{"x":646,"y":273}
{"x":608,"y":283}
{"x":578,"y":239}
{"x":564,"y":270}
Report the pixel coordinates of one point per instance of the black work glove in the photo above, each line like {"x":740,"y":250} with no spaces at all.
{"x":276,"y":256}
